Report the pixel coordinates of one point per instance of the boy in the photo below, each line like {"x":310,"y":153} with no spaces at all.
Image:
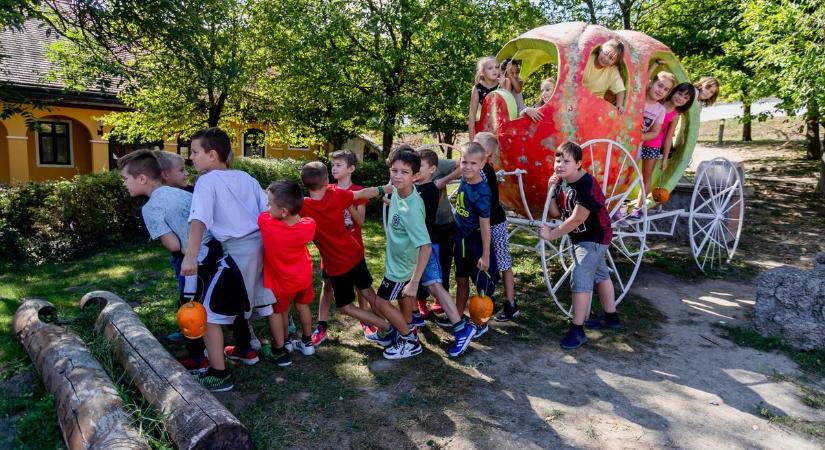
{"x":431,"y":278}
{"x":472,"y":242}
{"x":601,"y":74}
{"x":166,"y":216}
{"x":344,"y":163}
{"x":227,"y":203}
{"x":287,"y":266}
{"x":498,"y":230}
{"x":173,"y":171}
{"x":342,"y":257}
{"x":579,"y":201}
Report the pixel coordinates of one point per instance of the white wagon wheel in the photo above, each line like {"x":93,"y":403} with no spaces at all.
{"x":717,"y":210}
{"x":628,"y":245}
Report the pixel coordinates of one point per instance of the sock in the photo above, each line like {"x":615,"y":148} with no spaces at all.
{"x":217,"y":373}
{"x":322,"y":324}
{"x":410,"y":326}
{"x":306,"y":339}
{"x":573,"y":326}
{"x":391,"y":329}
{"x":612,"y":317}
{"x":409,"y":337}
{"x":458,"y":326}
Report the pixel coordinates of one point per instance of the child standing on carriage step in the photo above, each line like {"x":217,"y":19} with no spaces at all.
{"x":677,"y":102}
{"x":486,"y":81}
{"x":579,"y":201}
{"x":601,"y":74}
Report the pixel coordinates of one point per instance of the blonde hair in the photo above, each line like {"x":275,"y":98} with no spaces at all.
{"x":480,"y":67}
{"x":706,"y":81}
{"x":487,"y":140}
{"x":618,"y":46}
{"x":666,"y":76}
{"x":167,"y":160}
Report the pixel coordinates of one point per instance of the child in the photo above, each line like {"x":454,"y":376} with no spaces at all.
{"x":342,"y":256}
{"x":707,"y":90}
{"x":343,"y":166}
{"x":407,"y":252}
{"x":287,"y":266}
{"x":581,"y":204}
{"x":678,"y":101}
{"x":173,"y":170}
{"x":431,"y":278}
{"x":166,"y":216}
{"x":654,"y":114}
{"x":498,"y":230}
{"x":472,"y":242}
{"x":546,"y":93}
{"x":512,"y":82}
{"x":602,"y":72}
{"x":227,"y":203}
{"x":487,"y":80}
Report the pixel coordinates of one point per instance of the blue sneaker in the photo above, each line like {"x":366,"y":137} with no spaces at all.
{"x":573,"y":339}
{"x":175,"y":336}
{"x":481,"y":331}
{"x":385,"y":339}
{"x":418,"y":321}
{"x":602,"y":323}
{"x":462,"y":340}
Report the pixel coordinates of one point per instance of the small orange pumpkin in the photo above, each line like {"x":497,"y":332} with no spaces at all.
{"x":192,"y":319}
{"x":481,"y":308}
{"x":660,"y":195}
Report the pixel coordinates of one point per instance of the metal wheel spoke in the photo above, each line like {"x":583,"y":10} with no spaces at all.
{"x":615,"y":270}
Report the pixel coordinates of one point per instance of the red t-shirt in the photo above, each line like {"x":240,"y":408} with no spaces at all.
{"x":339,"y":249}
{"x":287,"y":264}
{"x":348,"y":222}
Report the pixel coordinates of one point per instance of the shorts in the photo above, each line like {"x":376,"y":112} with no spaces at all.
{"x":589,"y":266}
{"x":651,"y":152}
{"x":467,"y":253}
{"x":248,"y":254}
{"x":500,"y":241}
{"x":391,"y":290}
{"x":225,"y":296}
{"x":192,"y":287}
{"x":303,"y":297}
{"x":432,"y":273}
{"x":359,"y":276}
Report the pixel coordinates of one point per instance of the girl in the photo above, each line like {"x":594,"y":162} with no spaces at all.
{"x":654,"y":114}
{"x":547,"y":86}
{"x":487,"y":81}
{"x":678,"y":101}
{"x":512,"y":82}
{"x":601,"y":74}
{"x":707,"y":89}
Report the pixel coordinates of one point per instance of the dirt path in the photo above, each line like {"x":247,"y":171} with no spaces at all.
{"x":693,"y":389}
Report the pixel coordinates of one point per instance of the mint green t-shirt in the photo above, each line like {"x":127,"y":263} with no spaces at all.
{"x":406,"y":232}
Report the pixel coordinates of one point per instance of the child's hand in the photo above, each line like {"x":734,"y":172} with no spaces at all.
{"x":554,"y":179}
{"x":533,"y":113}
{"x":410,"y":290}
{"x":483,"y":263}
{"x":664,"y":164}
{"x":385,"y":200}
{"x":621,"y":109}
{"x":544,"y":233}
{"x":189,"y":266}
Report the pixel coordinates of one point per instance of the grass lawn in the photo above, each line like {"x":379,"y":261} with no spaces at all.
{"x":327,"y":395}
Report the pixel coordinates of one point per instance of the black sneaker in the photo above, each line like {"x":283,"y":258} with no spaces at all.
{"x":602,"y":323}
{"x":573,"y":339}
{"x":507,"y":312}
{"x":215,"y":383}
{"x":443,"y":321}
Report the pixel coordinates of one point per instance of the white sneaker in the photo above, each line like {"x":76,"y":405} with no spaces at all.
{"x":403,"y":348}
{"x":289,"y":346}
{"x":306,"y":348}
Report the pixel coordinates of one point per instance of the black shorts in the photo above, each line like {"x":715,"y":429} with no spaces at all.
{"x":225,"y":295}
{"x":206,"y":269}
{"x":391,"y":290}
{"x":359,"y":276}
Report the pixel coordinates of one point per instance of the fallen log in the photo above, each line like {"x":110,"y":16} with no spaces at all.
{"x":89,"y":409}
{"x":193,"y":417}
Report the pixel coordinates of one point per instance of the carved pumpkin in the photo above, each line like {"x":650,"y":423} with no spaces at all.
{"x":481,"y":308}
{"x":660,"y":195}
{"x":192,"y":319}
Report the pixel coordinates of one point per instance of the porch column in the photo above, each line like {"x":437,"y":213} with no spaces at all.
{"x":18,"y":158}
{"x":100,"y":155}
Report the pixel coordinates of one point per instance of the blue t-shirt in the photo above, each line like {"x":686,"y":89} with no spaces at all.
{"x":167,"y":211}
{"x":473,"y":202}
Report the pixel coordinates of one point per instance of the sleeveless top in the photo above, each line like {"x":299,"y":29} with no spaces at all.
{"x":483,"y":91}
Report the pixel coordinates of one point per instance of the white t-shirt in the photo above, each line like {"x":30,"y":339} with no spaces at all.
{"x":228,"y":202}
{"x":653,"y":113}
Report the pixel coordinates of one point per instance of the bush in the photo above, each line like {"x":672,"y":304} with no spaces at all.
{"x":268,"y":170}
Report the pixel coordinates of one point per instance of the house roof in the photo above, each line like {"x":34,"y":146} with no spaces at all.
{"x":25,"y":66}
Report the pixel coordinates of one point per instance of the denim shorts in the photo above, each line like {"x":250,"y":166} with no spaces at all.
{"x":432,"y":273}
{"x":589,"y":267}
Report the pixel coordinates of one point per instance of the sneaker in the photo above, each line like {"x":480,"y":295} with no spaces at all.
{"x":385,"y":339}
{"x":194,"y":365}
{"x":443,"y":321}
{"x":305,"y":348}
{"x":319,"y":335}
{"x":601,"y":323}
{"x":175,"y":336}
{"x":215,"y":383}
{"x":246,"y":356}
{"x":482,"y":330}
{"x":254,"y":342}
{"x":635,"y":215}
{"x":462,"y":340}
{"x":507,"y":312}
{"x":280,"y":358}
{"x":369,"y":330}
{"x":403,"y":348}
{"x":620,"y":219}
{"x":418,"y":321}
{"x":437,"y":308}
{"x":573,"y":339}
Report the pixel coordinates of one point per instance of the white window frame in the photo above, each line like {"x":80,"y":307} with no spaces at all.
{"x":243,"y":141}
{"x":71,"y":145}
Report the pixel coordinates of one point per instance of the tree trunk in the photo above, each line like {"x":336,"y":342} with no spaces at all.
{"x":388,"y":126}
{"x":191,"y":415}
{"x":591,"y":8}
{"x":814,"y":147}
{"x":746,"y":121}
{"x":820,"y":186}
{"x":89,"y":409}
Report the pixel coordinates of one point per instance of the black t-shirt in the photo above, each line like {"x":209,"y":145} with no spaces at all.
{"x":497,"y":215}
{"x":430,"y":195}
{"x":586,"y":192}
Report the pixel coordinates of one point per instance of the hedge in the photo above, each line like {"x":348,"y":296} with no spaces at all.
{"x":65,"y":219}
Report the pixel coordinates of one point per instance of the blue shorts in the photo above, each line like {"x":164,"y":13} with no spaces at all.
{"x":432,"y":273}
{"x":589,"y":267}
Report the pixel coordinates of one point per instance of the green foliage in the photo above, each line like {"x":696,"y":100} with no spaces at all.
{"x":268,"y":170}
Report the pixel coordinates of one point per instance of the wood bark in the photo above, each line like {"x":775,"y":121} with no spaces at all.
{"x":89,"y":409}
{"x":194,"y":418}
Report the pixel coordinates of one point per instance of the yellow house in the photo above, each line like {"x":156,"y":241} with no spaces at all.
{"x":69,"y":140}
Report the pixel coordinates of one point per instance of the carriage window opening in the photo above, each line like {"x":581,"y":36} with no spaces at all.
{"x":606,"y":76}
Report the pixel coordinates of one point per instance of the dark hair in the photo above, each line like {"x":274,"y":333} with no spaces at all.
{"x":214,"y":139}
{"x":570,"y":148}
{"x":314,"y":175}
{"x":507,"y":61}
{"x":683,"y":87}
{"x":400,"y":148}
{"x":287,"y":194}
{"x":140,"y":162}
{"x":428,"y":155}
{"x":473,"y":148}
{"x":408,"y":157}
{"x":347,"y":155}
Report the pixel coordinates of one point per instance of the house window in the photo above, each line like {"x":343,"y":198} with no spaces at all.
{"x":54,"y":144}
{"x":253,"y":143}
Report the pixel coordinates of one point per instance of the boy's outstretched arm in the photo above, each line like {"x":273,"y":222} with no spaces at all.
{"x":189,"y":266}
{"x":578,"y":217}
{"x":484,"y":261}
{"x":171,"y":242}
{"x":368,"y":193}
{"x":442,"y":182}
{"x":411,"y":289}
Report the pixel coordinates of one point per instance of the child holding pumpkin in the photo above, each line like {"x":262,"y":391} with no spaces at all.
{"x":579,"y":201}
